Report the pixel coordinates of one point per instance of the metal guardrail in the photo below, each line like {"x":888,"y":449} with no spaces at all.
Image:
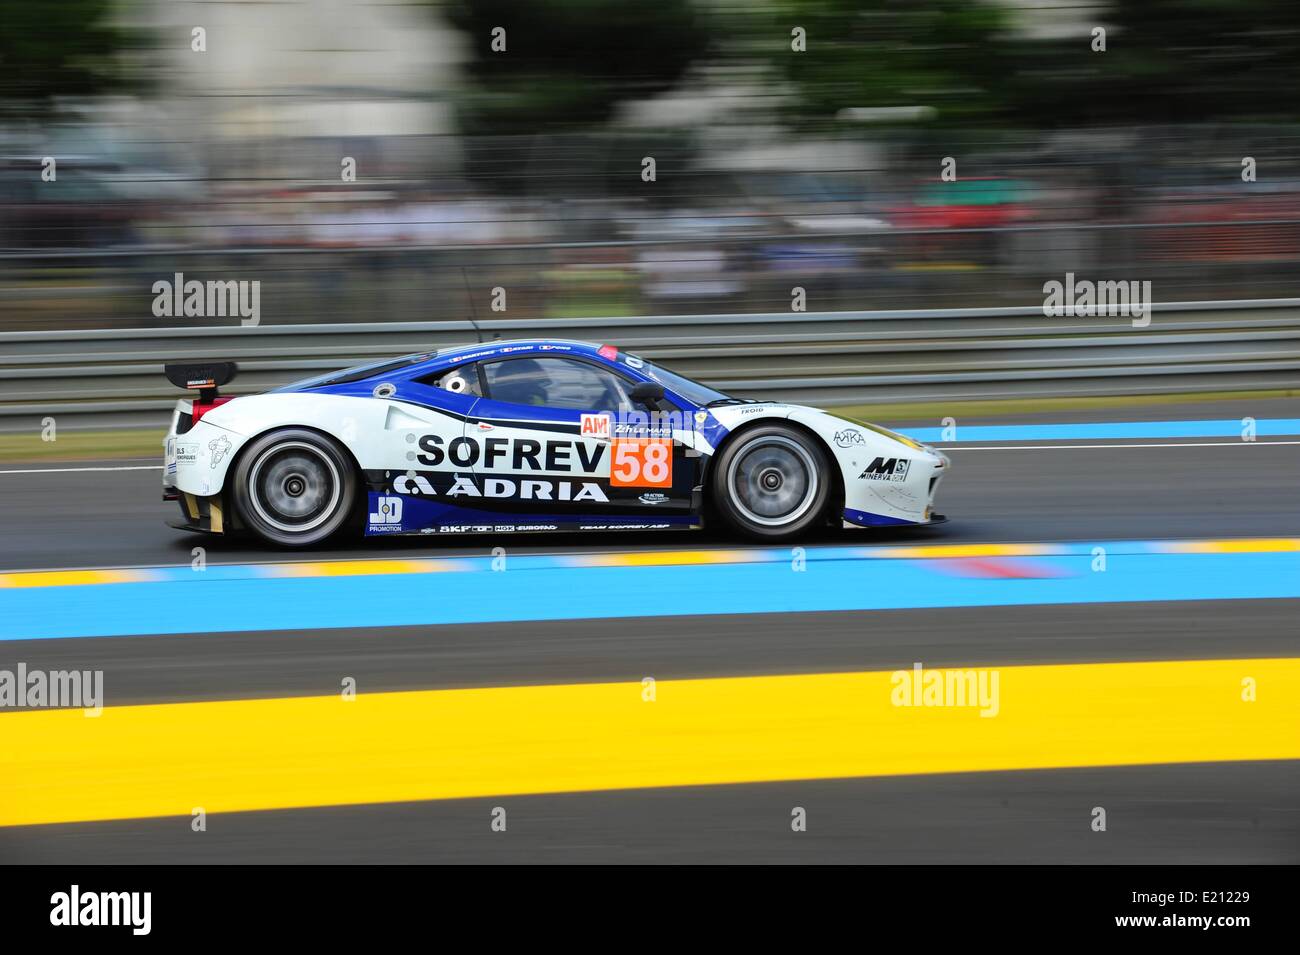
{"x":113,"y":377}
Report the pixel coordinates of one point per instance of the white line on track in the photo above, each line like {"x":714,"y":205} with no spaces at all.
{"x":133,"y":467}
{"x":942,"y":447}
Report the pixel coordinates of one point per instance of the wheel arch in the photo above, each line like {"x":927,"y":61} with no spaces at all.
{"x":227,"y":491}
{"x":834,"y":500}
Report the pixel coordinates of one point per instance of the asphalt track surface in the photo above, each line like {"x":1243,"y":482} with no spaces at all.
{"x":1239,"y":812}
{"x":1193,"y":814}
{"x":60,"y":518}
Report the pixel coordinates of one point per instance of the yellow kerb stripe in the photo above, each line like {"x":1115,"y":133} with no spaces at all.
{"x":361,"y":568}
{"x":1257,"y":546}
{"x":965,"y":550}
{"x":72,"y":578}
{"x":665,"y":557}
{"x":163,"y":760}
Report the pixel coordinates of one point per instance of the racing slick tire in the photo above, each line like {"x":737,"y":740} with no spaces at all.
{"x":294,"y":487}
{"x":772,"y":483}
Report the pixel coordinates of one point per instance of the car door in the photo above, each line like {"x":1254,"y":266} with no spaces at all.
{"x":411,"y":469}
{"x":550,"y":445}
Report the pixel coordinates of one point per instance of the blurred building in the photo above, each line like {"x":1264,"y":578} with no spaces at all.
{"x":280,"y":81}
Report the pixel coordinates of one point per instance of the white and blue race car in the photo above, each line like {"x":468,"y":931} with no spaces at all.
{"x":516,"y":436}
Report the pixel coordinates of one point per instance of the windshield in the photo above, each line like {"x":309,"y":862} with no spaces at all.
{"x":692,"y":391}
{"x":356,"y":373}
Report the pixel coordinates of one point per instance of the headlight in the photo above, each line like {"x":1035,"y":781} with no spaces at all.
{"x":900,"y":438}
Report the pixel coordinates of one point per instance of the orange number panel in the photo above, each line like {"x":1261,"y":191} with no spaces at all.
{"x":642,"y":462}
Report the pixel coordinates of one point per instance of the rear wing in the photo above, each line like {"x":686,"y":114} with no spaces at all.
{"x":205,"y":376}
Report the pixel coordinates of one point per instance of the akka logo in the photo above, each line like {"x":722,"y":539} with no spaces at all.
{"x":388,"y":510}
{"x":595,"y":426}
{"x":886,"y":469}
{"x":849,"y":437}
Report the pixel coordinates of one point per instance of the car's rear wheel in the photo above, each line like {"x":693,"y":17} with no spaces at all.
{"x":294,"y":487}
{"x":771,"y":483}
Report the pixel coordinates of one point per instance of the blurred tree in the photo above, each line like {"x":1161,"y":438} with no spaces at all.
{"x":566,"y":64}
{"x":1199,"y":60}
{"x":947,"y":55}
{"x":55,"y":48}
{"x":1166,"y":61}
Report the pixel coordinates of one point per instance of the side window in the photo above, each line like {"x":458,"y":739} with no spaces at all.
{"x":555,"y":383}
{"x":462,"y":381}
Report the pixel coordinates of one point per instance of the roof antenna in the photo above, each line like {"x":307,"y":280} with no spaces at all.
{"x":473,"y":312}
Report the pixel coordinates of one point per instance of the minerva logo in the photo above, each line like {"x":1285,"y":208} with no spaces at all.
{"x":886,"y":469}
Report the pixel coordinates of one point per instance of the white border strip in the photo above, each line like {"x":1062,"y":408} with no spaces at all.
{"x":132,"y":467}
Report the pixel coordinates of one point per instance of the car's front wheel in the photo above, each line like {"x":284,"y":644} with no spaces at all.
{"x":771,"y":483}
{"x":294,"y":487}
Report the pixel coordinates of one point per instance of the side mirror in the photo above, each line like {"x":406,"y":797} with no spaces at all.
{"x":648,"y":393}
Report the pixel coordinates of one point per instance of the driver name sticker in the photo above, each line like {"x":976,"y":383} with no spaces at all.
{"x":642,"y":462}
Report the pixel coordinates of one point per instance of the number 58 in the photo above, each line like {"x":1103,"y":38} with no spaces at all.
{"x":642,"y":462}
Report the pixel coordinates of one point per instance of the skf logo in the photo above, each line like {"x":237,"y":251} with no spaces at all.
{"x":886,"y":469}
{"x":388,"y":510}
{"x":595,"y":426}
